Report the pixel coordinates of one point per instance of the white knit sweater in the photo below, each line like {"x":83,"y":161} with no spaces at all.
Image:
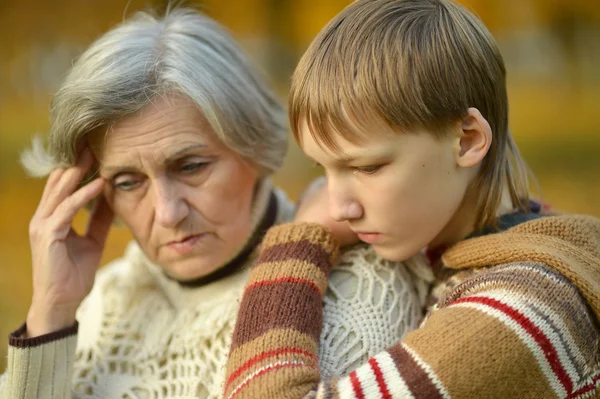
{"x":142,"y":335}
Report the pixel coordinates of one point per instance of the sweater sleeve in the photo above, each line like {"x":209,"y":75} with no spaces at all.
{"x":39,"y":367}
{"x":517,"y":331}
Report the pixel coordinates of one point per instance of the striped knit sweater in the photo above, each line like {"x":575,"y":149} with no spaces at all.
{"x":518,"y":318}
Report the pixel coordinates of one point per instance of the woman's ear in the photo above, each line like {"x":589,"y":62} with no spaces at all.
{"x":475,"y":139}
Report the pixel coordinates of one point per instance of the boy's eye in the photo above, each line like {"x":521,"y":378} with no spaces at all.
{"x":368,"y":170}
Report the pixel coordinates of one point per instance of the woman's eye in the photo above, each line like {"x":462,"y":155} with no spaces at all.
{"x":127,"y":185}
{"x":367,"y":170}
{"x":193,"y":167}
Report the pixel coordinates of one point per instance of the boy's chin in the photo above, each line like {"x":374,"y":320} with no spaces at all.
{"x":393,"y":253}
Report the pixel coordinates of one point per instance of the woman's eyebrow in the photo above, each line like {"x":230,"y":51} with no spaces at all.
{"x":172,"y":157}
{"x":110,"y":169}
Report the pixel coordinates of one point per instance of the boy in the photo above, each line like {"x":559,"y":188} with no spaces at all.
{"x":404,"y":104}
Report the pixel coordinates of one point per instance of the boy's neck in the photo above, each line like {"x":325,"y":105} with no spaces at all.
{"x":462,"y":223}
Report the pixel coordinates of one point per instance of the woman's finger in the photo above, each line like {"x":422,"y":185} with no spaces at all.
{"x":99,"y":222}
{"x":54,"y":177}
{"x":63,"y":216}
{"x":67,"y":183}
{"x":51,"y":182}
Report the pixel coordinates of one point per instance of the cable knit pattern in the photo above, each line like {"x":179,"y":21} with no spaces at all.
{"x":142,"y":335}
{"x":366,"y":296}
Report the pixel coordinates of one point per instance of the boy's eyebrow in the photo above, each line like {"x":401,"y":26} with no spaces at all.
{"x":345,"y":160}
{"x":342,"y":160}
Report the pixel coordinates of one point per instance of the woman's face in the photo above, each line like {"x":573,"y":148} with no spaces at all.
{"x":185,"y":196}
{"x":399,"y":192}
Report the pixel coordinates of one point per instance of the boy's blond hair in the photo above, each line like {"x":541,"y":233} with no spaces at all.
{"x":411,"y":64}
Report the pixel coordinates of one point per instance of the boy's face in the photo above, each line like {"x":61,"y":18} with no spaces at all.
{"x":400,"y":192}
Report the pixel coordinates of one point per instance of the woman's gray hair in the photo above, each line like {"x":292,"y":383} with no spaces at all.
{"x":183,"y":52}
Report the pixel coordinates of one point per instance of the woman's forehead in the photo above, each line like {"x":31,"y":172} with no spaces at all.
{"x":164,"y":127}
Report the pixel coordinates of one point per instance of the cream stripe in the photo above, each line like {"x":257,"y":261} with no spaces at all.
{"x":368,"y":381}
{"x":526,"y":338}
{"x":525,"y":308}
{"x":345,"y":388}
{"x":395,"y":383}
{"x":429,"y":371}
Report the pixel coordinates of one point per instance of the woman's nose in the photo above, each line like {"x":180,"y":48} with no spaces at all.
{"x":169,"y":206}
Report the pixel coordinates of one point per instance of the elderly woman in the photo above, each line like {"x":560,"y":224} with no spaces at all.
{"x":164,"y":125}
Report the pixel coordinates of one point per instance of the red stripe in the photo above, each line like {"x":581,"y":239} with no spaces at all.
{"x":284,"y":280}
{"x":263,"y":356}
{"x":356,"y":386}
{"x":588,"y":388}
{"x":261,"y":372}
{"x":537,"y":334}
{"x":380,"y":381}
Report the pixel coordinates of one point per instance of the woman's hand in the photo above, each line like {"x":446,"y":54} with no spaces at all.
{"x":65,"y":263}
{"x":313,"y":207}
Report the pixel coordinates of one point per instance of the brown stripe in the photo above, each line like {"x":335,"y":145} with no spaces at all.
{"x":282,"y":305}
{"x":294,"y":232}
{"x":329,"y":389}
{"x":15,"y":338}
{"x":298,"y":250}
{"x":417,"y":380}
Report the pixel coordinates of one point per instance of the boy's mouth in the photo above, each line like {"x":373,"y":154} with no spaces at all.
{"x":369,"y":237}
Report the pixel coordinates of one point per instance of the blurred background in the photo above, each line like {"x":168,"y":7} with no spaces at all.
{"x":551,"y":48}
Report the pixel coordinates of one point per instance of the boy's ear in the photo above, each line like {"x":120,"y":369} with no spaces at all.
{"x":475,"y":139}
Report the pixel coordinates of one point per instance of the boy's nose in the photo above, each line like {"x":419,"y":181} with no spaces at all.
{"x":345,"y":210}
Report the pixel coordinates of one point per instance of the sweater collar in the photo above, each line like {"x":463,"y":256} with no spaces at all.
{"x":502,"y":223}
{"x":509,"y":220}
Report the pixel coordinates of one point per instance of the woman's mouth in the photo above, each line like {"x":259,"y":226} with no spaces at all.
{"x":186,"y":245}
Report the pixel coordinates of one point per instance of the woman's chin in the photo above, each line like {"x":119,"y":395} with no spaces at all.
{"x":190,"y":269}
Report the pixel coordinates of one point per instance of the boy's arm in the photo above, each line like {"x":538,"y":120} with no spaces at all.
{"x":479,"y":345}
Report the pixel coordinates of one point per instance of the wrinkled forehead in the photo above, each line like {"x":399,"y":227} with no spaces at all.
{"x":162,"y":127}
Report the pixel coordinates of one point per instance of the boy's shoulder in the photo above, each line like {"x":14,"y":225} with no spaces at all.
{"x":568,"y":244}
